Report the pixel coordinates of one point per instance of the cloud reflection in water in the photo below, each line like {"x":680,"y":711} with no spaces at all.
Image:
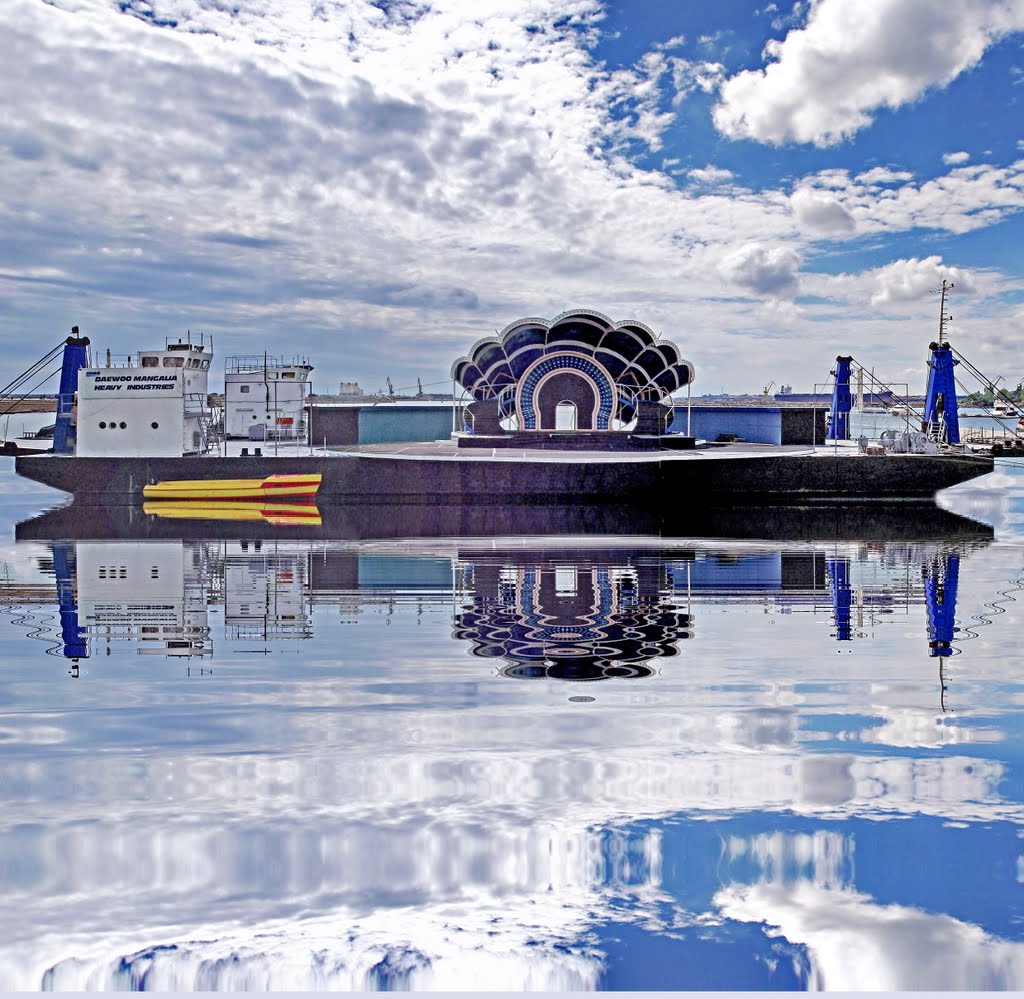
{"x":392,"y":810}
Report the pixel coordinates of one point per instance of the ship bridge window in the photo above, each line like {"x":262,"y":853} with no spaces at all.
{"x":173,"y":362}
{"x":151,"y":362}
{"x":205,"y":364}
{"x":287,"y":374}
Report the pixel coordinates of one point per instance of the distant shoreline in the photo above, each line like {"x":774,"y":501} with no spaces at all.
{"x":48,"y":405}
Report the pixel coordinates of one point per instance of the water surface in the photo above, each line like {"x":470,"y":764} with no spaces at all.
{"x":562,"y":761}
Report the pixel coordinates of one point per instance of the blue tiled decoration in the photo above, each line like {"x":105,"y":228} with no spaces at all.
{"x":572,"y":362}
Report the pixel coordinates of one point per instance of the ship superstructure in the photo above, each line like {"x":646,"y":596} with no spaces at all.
{"x":156,"y":406}
{"x":265,"y":397}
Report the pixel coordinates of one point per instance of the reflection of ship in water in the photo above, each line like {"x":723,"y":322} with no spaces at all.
{"x":911,"y":521}
{"x":938,"y":568}
{"x":265,"y":590}
{"x":154,"y":594}
{"x":581,"y":608}
{"x":158,"y":594}
{"x":594,"y":614}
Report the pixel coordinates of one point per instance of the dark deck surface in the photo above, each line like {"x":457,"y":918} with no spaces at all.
{"x":449,"y":450}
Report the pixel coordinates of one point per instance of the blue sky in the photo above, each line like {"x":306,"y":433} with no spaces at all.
{"x":377,"y":185}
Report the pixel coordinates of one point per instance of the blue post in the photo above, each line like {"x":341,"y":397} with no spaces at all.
{"x":940,"y":397}
{"x":842,"y":402}
{"x":76,"y":357}
{"x":940,"y":585}
{"x":838,"y":570}
{"x":65,"y":567}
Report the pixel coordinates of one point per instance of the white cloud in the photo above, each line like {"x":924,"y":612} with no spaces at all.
{"x":955,"y":158}
{"x":911,"y":280}
{"x":688,"y":77}
{"x":764,"y":270}
{"x":410,"y":177}
{"x":819,"y":212}
{"x":883,"y":175}
{"x":824,"y":81}
{"x":675,"y":42}
{"x":885,"y":200}
{"x":710,"y":174}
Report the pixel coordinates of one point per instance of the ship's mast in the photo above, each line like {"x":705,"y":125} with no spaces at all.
{"x":943,"y":316}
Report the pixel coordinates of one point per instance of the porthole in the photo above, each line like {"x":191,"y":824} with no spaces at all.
{"x":155,"y":425}
{"x":123,"y":425}
{"x":103,"y":424}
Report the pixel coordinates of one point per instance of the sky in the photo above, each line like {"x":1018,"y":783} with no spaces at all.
{"x":376,"y":186}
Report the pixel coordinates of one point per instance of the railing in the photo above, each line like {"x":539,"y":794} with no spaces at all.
{"x":241,"y":363}
{"x":291,"y":431}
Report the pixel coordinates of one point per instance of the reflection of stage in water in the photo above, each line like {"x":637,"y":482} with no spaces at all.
{"x":569,"y":617}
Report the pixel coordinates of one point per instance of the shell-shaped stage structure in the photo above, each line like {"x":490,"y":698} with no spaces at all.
{"x":581,"y":359}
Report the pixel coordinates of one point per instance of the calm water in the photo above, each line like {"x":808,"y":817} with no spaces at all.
{"x":508,"y":763}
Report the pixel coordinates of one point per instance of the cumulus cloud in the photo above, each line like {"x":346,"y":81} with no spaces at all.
{"x":764,"y":270}
{"x":957,"y":157}
{"x":319,"y":176}
{"x":910,"y":280}
{"x":709,"y":174}
{"x":820,"y":212}
{"x":883,"y":175}
{"x":886,"y":200}
{"x":824,"y":82}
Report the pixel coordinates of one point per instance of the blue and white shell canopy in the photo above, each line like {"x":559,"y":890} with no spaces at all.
{"x":639,"y":364}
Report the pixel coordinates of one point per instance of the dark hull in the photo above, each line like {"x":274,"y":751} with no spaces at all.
{"x":670,"y":483}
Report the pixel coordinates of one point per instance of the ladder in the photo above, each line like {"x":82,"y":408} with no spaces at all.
{"x":202,"y":414}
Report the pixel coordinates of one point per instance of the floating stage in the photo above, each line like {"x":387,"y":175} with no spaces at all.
{"x":576,"y":410}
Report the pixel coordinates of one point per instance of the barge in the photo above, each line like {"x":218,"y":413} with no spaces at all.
{"x":442,"y":473}
{"x":572,"y":411}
